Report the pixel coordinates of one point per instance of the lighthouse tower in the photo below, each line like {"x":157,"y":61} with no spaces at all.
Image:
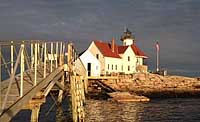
{"x":127,"y":38}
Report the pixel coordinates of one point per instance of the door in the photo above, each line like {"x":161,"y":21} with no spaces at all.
{"x":89,"y":69}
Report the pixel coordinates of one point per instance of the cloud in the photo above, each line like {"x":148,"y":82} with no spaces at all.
{"x":175,"y":24}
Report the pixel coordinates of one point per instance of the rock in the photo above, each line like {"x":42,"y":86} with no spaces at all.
{"x":142,"y":81}
{"x":197,"y":84}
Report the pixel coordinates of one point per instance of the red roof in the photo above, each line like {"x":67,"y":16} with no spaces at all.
{"x":105,"y":49}
{"x":122,"y":49}
{"x":137,"y":51}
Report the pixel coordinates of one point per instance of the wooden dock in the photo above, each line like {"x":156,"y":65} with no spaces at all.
{"x":35,"y":68}
{"x":127,"y":97}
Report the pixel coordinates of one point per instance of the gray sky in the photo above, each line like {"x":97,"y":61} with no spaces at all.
{"x":174,"y":23}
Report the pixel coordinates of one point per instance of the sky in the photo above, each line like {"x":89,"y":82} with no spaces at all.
{"x":175,"y":24}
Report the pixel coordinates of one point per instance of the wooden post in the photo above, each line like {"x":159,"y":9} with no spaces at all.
{"x":80,"y":98}
{"x":35,"y":68}
{"x":72,"y":82}
{"x":82,"y":90}
{"x":11,"y":57}
{"x":69,"y":57}
{"x":22,"y":70}
{"x":35,"y":113}
{"x":42,"y":51}
{"x":73,"y":98}
{"x":45,"y":58}
{"x":63,"y":52}
{"x":51,"y":57}
{"x":61,"y":58}
{"x":56,"y":54}
{"x":60,"y":95}
{"x":77,"y":87}
{"x":77,"y":97}
{"x":86,"y":85}
{"x":38,"y":52}
{"x":32,"y":56}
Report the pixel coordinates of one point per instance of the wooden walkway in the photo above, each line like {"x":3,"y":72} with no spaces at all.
{"x":14,"y":103}
{"x":34,"y":68}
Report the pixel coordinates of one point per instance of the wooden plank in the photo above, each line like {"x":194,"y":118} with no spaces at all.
{"x":60,"y":85}
{"x":32,"y":103}
{"x":12,"y":98}
{"x":15,"y":108}
{"x":48,"y":88}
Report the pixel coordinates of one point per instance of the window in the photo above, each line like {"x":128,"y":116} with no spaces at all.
{"x":122,"y":67}
{"x":128,"y":58}
{"x":115,"y":67}
{"x":97,"y":56}
{"x":108,"y":66}
{"x":128,"y":68}
{"x":112,"y":66}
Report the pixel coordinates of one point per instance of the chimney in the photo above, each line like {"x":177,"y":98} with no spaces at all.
{"x":113,"y":45}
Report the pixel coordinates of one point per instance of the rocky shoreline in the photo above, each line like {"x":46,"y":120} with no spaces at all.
{"x":154,"y":85}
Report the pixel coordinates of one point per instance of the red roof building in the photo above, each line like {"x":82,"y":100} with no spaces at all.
{"x":106,"y":49}
{"x":113,"y":58}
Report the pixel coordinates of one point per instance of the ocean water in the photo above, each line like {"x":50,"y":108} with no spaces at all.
{"x":157,"y":110}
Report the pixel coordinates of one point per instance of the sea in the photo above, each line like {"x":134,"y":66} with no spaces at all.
{"x":101,"y":110}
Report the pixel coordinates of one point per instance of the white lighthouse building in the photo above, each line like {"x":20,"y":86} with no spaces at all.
{"x":112,"y":58}
{"x":127,"y":38}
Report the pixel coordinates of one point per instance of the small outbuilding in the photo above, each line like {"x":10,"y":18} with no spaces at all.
{"x":91,"y":63}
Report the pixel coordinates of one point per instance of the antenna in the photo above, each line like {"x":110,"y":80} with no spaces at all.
{"x":125,"y":28}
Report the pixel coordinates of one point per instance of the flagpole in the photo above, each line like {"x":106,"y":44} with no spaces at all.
{"x":157,"y":56}
{"x":157,"y":69}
